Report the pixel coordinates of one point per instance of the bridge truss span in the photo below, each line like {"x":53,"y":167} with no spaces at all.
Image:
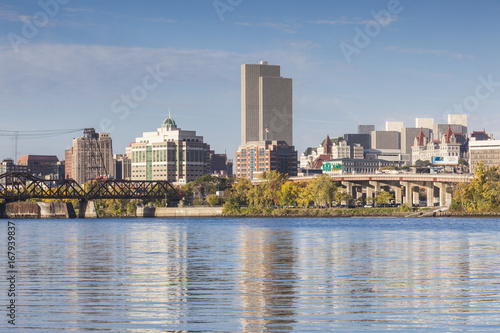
{"x":19,"y":186}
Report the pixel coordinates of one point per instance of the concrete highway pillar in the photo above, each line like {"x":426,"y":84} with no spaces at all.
{"x":430,"y":196}
{"x":398,"y":195}
{"x":416,"y":196}
{"x":369,"y":192}
{"x":376,"y":186}
{"x":444,"y":194}
{"x":408,"y":193}
{"x":348,"y":188}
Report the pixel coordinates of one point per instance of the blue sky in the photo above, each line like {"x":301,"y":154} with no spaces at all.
{"x":417,"y":59}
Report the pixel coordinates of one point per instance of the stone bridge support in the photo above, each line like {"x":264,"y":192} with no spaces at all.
{"x":87,"y":209}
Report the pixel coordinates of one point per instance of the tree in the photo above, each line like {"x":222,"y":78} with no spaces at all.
{"x":212,"y":200}
{"x":323,"y":190}
{"x":240,"y":190}
{"x":305,"y":197}
{"x":271,"y":183}
{"x":482,"y":194}
{"x":422,"y":164}
{"x":343,"y":196}
{"x":288,"y":194}
{"x":384,"y":198}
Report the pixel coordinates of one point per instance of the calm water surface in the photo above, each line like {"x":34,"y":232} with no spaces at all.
{"x":255,"y":275}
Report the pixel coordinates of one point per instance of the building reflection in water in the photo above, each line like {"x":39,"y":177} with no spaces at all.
{"x":416,"y":277}
{"x":267,"y":279}
{"x":115,"y":278}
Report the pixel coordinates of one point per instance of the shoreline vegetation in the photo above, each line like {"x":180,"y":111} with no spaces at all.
{"x":276,"y":196}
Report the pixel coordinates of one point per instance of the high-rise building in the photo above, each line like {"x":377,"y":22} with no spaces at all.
{"x":484,"y":151}
{"x":257,"y":157}
{"x":424,"y":123}
{"x":386,"y":140}
{"x":266,"y":104}
{"x":457,"y":119}
{"x":394,"y":126}
{"x":91,"y":156}
{"x":169,"y":153}
{"x":123,"y":166}
{"x":366,"y":129}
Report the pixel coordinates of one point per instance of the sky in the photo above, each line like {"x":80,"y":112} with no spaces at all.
{"x":119,"y":66}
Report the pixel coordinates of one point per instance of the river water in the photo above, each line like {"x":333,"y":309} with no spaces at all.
{"x":254,"y":275}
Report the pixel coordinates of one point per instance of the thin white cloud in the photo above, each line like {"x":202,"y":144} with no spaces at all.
{"x":10,"y":15}
{"x":288,"y":28}
{"x":436,"y":52}
{"x":78,"y":10}
{"x":355,"y":21}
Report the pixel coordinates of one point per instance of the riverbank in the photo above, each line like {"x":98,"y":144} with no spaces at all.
{"x":65,"y":210}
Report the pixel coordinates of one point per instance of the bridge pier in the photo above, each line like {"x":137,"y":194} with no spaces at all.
{"x":430,"y":196}
{"x":444,"y":194}
{"x":398,"y":195}
{"x":87,"y":209}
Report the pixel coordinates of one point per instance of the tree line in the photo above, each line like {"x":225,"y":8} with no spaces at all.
{"x":482,"y":194}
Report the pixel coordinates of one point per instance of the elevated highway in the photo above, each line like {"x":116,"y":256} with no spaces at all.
{"x":407,"y":187}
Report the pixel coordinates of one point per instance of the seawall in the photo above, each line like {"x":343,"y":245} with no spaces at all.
{"x":37,"y":210}
{"x":178,"y":211}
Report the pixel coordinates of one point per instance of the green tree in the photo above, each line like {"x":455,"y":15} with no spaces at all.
{"x":343,"y":196}
{"x":270,"y":184}
{"x":384,"y":198}
{"x":482,"y":194}
{"x":324,"y":190}
{"x":213,"y":200}
{"x":305,"y":195}
{"x":240,"y":190}
{"x":231,"y":206}
{"x":288,"y":194}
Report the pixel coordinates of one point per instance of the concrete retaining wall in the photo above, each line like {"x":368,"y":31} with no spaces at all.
{"x":22,"y":210}
{"x":36,"y":210}
{"x":178,"y":211}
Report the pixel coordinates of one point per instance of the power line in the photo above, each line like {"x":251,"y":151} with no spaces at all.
{"x":38,"y":134}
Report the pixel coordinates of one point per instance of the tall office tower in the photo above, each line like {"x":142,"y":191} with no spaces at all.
{"x":394,"y":126}
{"x":457,"y":119}
{"x":366,"y":129}
{"x":266,"y":104}
{"x":424,"y":123}
{"x":91,"y":156}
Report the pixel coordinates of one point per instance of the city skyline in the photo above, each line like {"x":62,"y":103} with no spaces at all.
{"x":119,"y":67}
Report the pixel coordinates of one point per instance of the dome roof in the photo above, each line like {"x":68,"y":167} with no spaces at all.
{"x":169,"y":122}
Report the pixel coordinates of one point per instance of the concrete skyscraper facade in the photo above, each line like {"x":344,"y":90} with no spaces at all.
{"x":266,"y":104}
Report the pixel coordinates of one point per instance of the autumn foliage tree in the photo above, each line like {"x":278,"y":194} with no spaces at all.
{"x":482,"y":194}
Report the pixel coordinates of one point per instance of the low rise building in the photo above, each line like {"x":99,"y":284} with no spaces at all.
{"x":41,"y":165}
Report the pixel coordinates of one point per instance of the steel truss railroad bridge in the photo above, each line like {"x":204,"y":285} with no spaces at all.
{"x":19,"y":186}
